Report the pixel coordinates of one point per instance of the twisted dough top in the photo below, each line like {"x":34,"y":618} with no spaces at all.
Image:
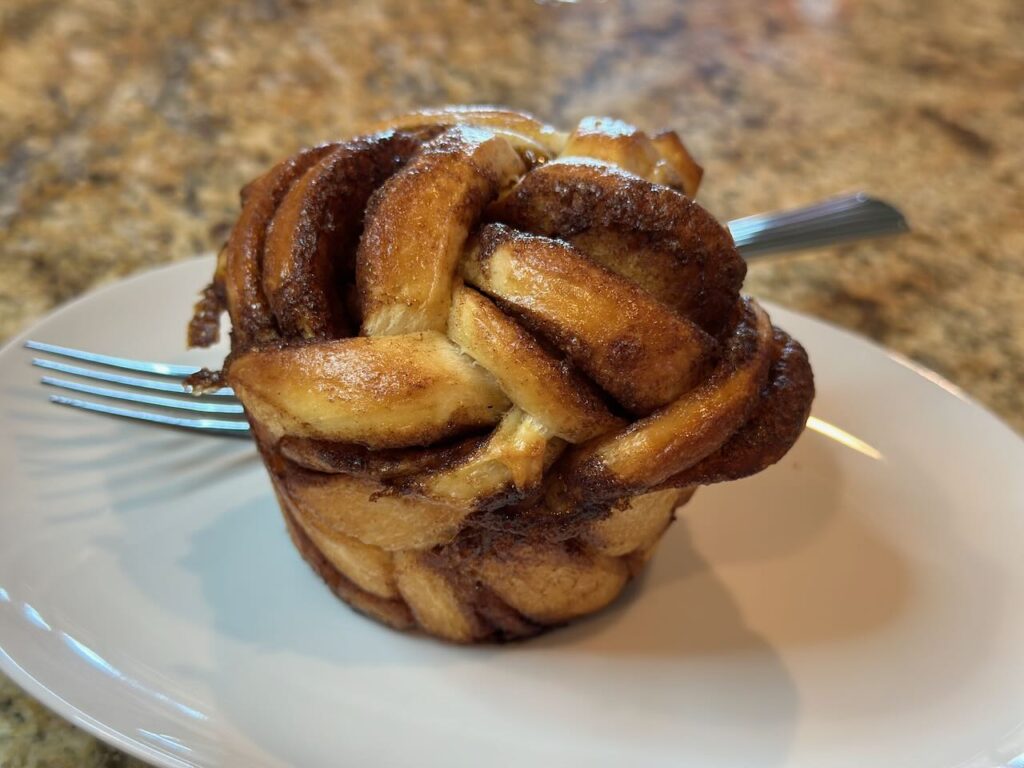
{"x":471,"y":308}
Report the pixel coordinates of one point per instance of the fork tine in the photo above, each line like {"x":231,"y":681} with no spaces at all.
{"x":136,"y":382}
{"x":124,"y":363}
{"x":208,"y":426}
{"x":196,"y":406}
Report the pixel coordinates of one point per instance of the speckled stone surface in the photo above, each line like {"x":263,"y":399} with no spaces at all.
{"x":127,"y":128}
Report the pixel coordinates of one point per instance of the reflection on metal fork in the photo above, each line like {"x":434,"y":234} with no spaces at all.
{"x":142,"y":366}
{"x":191,"y":404}
{"x":165,"y":378}
{"x":842,"y":219}
{"x":136,"y":382}
{"x":206,"y":426}
{"x":852,"y":217}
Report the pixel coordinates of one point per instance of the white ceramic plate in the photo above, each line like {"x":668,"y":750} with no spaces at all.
{"x":860,"y":604}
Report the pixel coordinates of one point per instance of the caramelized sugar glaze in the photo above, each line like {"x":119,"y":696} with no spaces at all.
{"x":484,"y":362}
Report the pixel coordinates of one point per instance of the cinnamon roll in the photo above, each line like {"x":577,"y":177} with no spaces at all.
{"x":485,"y":361}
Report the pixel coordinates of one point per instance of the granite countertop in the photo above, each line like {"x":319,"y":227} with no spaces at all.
{"x":127,"y":129}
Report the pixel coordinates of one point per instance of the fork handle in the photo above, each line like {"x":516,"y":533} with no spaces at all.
{"x":852,"y":217}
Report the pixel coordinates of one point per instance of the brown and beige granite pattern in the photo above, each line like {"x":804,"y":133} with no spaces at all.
{"x":127,"y":128}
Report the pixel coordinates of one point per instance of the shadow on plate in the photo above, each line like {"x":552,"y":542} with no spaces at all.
{"x":821,"y":574}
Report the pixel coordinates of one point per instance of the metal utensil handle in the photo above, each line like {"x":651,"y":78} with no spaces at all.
{"x":853,"y":217}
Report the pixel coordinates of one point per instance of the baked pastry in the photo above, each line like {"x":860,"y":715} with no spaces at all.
{"x":485,"y":361}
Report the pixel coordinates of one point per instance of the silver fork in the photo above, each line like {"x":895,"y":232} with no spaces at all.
{"x":215,"y":413}
{"x":170,"y":403}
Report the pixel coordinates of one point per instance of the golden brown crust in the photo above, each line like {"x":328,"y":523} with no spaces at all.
{"x":369,"y":511}
{"x":549,"y":583}
{"x":335,"y":457}
{"x":368,"y":567}
{"x":528,"y":134}
{"x":635,"y":527}
{"x":665,"y":242}
{"x":417,"y":223}
{"x":662,"y":159}
{"x":311,"y":240}
{"x":532,"y":378}
{"x":490,"y":585}
{"x":487,"y":462}
{"x":614,"y":142}
{"x":394,"y":613}
{"x":634,"y":347}
{"x":381,"y":392}
{"x":650,"y":450}
{"x":677,"y":168}
{"x":505,"y":469}
{"x":774,"y":425}
{"x":251,"y":318}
